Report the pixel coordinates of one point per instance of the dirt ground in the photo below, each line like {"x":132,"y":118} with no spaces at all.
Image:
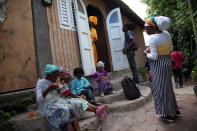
{"x":145,"y":119}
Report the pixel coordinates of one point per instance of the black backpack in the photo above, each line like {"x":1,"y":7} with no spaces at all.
{"x":130,"y":89}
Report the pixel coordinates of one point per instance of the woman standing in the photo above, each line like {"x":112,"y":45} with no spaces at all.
{"x":158,"y":53}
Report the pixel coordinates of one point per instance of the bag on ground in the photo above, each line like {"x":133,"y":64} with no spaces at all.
{"x":130,"y":89}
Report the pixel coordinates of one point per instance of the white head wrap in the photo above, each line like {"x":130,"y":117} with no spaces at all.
{"x":100,"y":64}
{"x":163,"y":22}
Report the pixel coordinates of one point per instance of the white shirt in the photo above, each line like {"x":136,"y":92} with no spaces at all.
{"x":41,"y":86}
{"x":156,"y":40}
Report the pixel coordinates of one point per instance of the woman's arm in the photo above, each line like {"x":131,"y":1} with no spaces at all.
{"x":86,"y":82}
{"x":73,"y":86}
{"x":152,"y":54}
{"x":39,"y":93}
{"x":96,"y":77}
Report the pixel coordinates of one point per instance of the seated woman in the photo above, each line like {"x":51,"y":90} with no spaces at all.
{"x":81,"y":86}
{"x":79,"y":104}
{"x":104,"y":85}
{"x":59,"y":113}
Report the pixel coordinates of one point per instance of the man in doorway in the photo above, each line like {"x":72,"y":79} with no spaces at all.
{"x":177,"y":63}
{"x":130,"y":47}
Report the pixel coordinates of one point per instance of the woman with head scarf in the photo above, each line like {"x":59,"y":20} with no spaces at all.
{"x":159,"y":47}
{"x":93,"y":20}
{"x":59,"y":113}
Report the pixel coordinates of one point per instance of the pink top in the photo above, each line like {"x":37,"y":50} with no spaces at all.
{"x":177,"y":59}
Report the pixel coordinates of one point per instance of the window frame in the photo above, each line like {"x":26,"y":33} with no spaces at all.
{"x":71,"y":25}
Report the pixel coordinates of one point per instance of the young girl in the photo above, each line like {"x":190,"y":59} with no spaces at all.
{"x":79,"y":104}
{"x":81,"y":86}
{"x":104,"y":85}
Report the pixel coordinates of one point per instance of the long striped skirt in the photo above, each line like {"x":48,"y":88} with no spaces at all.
{"x":162,"y":88}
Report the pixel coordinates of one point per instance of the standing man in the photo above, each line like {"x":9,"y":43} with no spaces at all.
{"x":177,"y":63}
{"x":129,"y":49}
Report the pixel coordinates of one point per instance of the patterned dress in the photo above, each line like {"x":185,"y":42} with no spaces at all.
{"x":79,"y":105}
{"x":103,"y":85}
{"x":57,"y":111}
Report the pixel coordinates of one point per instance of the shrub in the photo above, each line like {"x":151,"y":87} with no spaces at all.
{"x":142,"y":71}
{"x":194,"y":74}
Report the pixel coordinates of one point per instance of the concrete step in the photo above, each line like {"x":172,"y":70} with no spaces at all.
{"x":125,"y":105}
{"x":88,"y":122}
{"x":108,"y":99}
{"x":16,"y":99}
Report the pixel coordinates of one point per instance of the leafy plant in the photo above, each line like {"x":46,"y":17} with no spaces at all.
{"x":194,"y":74}
{"x":4,"y":116}
{"x":142,"y":71}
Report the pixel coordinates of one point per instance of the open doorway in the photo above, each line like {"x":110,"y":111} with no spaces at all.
{"x":101,"y":43}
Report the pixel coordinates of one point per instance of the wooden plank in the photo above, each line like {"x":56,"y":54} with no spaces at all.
{"x":78,"y":56}
{"x":51,"y":35}
{"x":64,"y":48}
{"x":18,"y":67}
{"x":59,"y":35}
{"x":69,"y":49}
{"x":66,"y":41}
{"x":73,"y":50}
{"x":76,"y":49}
{"x":55,"y":36}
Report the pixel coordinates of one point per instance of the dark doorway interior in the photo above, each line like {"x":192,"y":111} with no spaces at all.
{"x":101,"y":44}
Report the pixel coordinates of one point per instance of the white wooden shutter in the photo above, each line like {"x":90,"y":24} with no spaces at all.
{"x":116,"y":40}
{"x":84,"y":39}
{"x":73,"y":13}
{"x":64,"y":12}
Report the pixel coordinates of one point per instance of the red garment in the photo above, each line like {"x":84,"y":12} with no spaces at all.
{"x":67,"y":93}
{"x":177,"y":59}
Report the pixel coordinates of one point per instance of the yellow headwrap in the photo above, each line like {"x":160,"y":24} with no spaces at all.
{"x":93,"y":20}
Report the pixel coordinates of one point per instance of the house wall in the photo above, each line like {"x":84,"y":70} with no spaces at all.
{"x":101,"y":5}
{"x":18,"y":64}
{"x":139,"y":56}
{"x":64,"y":43}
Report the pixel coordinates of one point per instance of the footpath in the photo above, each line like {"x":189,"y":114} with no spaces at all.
{"x":144,"y":118}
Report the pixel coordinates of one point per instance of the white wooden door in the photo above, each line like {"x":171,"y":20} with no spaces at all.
{"x":116,"y":40}
{"x":84,"y":39}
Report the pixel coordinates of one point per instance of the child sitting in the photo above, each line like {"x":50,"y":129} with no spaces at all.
{"x":81,"y":86}
{"x":78,"y":102}
{"x":104,"y":86}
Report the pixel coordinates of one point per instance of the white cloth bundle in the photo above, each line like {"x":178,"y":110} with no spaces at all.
{"x":163,"y":22}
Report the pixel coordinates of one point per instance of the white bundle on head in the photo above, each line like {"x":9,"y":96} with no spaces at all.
{"x":163,"y":22}
{"x":100,"y":64}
